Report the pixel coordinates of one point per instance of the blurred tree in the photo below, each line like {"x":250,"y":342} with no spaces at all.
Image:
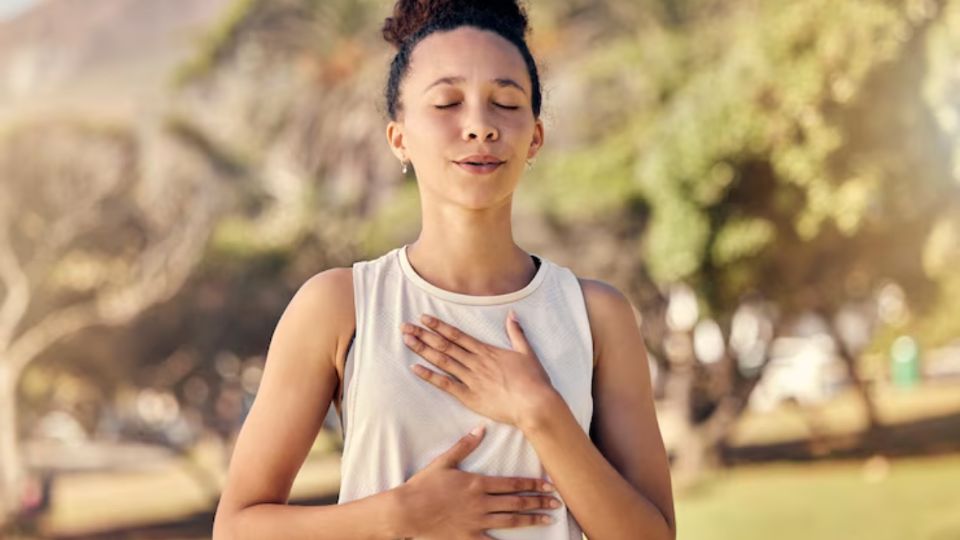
{"x":292,"y":87}
{"x":97,"y":223}
{"x":781,"y":151}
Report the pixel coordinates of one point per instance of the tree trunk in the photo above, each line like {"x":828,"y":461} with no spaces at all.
{"x":11,"y":471}
{"x":874,"y":424}
{"x":700,"y":445}
{"x":690,"y":455}
{"x":849,"y":357}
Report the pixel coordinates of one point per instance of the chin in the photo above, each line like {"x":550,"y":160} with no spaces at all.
{"x":480,"y":199}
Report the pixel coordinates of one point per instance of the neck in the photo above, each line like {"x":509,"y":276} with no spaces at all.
{"x":471,"y":252}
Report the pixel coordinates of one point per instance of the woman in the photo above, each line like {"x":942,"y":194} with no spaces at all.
{"x":459,"y":329}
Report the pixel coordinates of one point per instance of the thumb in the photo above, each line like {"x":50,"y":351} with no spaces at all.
{"x":468,"y":443}
{"x":517,"y":338}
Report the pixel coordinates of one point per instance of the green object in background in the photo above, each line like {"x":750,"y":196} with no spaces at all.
{"x":905,"y":362}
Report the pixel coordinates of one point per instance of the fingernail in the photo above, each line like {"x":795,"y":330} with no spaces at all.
{"x":513,"y":315}
{"x":476,"y":431}
{"x":548,"y":487}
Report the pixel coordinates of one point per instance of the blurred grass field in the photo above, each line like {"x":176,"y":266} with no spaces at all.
{"x":909,"y":499}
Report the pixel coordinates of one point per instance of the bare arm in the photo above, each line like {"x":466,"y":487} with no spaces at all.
{"x":295,"y":392}
{"x":620,"y":487}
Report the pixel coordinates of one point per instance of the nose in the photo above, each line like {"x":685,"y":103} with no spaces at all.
{"x":478,"y":126}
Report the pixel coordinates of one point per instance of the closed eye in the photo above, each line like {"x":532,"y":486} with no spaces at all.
{"x":455,"y":104}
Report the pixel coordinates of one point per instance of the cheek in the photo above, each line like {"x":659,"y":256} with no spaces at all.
{"x":433,"y":125}
{"x":520,"y":134}
{"x":426,"y":134}
{"x":522,"y":127}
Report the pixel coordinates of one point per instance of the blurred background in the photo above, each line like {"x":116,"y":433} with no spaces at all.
{"x":774,"y":184}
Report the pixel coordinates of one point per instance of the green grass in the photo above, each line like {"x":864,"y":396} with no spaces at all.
{"x":917,"y":499}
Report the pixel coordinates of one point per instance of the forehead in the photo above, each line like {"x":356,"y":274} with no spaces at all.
{"x":477,"y":55}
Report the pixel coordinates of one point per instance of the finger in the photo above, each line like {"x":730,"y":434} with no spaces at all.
{"x":437,"y":341}
{"x":517,"y":338}
{"x":437,"y":358}
{"x":499,"y":521}
{"x":517,"y":503}
{"x":514,"y":484}
{"x":453,"y":387}
{"x":462,"y":448}
{"x":454,"y":334}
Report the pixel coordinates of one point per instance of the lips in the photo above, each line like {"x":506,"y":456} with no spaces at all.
{"x":480,"y":159}
{"x":485,"y":168}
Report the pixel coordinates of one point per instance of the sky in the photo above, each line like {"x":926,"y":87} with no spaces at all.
{"x":9,"y":8}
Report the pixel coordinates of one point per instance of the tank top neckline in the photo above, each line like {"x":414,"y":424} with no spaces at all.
{"x":473,"y":299}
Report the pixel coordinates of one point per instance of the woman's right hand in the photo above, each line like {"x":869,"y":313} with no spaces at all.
{"x":443,"y":502}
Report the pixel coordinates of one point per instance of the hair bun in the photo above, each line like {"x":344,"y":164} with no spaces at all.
{"x":409,"y":16}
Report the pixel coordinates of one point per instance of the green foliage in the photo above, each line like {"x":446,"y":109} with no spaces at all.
{"x":582,"y":183}
{"x":766,"y":144}
{"x":746,"y":134}
{"x":941,"y":88}
{"x":314,"y":27}
{"x":742,"y":238}
{"x":397,"y":221}
{"x":210,"y":48}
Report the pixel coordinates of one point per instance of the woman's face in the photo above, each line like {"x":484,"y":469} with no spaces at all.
{"x":467,"y":92}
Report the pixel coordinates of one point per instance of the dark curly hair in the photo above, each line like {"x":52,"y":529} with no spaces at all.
{"x":414,"y":20}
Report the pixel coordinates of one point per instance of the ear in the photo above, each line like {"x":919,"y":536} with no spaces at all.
{"x":395,"y":139}
{"x":537,"y":142}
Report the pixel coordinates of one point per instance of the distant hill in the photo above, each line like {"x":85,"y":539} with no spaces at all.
{"x":112,"y":54}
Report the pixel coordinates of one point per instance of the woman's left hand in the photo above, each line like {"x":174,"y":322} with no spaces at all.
{"x":507,"y":385}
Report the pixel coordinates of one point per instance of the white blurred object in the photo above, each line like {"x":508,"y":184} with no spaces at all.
{"x":708,"y":344}
{"x":682,"y":309}
{"x":892,"y":304}
{"x":943,"y":363}
{"x":853,"y":325}
{"x":805,"y":369}
{"x":744,"y":330}
{"x":750,"y":333}
{"x":157,"y":407}
{"x":60,"y":426}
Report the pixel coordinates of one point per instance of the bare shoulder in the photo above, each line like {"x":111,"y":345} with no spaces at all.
{"x":329,"y":286}
{"x":602,"y":293}
{"x":607,"y":309}
{"x":328,"y":297}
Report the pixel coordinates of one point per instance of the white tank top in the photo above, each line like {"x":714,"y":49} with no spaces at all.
{"x":395,"y":423}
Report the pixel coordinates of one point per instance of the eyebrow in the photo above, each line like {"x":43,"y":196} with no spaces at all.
{"x":501,"y":81}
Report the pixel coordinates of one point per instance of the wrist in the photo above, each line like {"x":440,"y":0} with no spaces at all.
{"x":397,"y":524}
{"x":537,"y":414}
